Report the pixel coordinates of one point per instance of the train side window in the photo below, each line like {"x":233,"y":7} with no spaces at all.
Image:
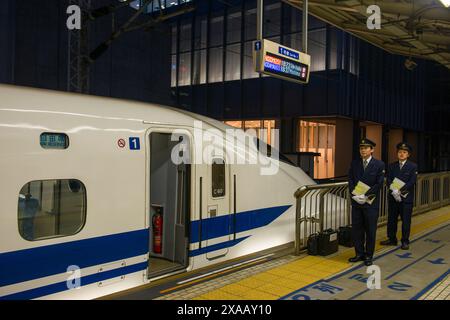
{"x":51,"y":208}
{"x":218,"y":178}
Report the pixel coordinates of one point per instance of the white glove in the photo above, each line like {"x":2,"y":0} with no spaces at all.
{"x":396,"y":195}
{"x":361,"y":199}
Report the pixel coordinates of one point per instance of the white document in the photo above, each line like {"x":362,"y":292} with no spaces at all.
{"x":360,"y":189}
{"x":396,"y":184}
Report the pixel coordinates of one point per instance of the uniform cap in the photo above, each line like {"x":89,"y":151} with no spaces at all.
{"x":366,"y":142}
{"x":404,"y":146}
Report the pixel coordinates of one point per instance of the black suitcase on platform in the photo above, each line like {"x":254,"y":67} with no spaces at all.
{"x":345,"y":236}
{"x":313,"y":244}
{"x":328,"y":242}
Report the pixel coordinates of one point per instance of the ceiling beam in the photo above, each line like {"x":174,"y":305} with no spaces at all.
{"x":428,"y":37}
{"x":400,"y":21}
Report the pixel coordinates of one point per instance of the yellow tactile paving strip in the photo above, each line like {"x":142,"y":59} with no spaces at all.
{"x":280,"y":281}
{"x":441,"y":291}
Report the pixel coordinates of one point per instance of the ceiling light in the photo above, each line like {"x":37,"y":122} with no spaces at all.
{"x":446,"y":3}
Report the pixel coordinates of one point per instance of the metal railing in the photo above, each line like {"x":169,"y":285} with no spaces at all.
{"x":323,"y":206}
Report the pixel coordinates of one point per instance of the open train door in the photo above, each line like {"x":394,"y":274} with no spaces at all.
{"x":169,"y":201}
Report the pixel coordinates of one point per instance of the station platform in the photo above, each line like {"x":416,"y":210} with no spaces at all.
{"x":421,"y":273}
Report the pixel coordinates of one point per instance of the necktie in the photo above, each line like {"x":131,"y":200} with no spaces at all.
{"x":401,"y":165}
{"x":365,"y":164}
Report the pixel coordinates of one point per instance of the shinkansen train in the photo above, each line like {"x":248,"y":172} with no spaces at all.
{"x":99,"y":195}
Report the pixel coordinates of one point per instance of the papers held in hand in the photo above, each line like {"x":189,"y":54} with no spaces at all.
{"x":397,"y":184}
{"x":361,"y":189}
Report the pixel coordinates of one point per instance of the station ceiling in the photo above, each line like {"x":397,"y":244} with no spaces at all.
{"x":413,"y":28}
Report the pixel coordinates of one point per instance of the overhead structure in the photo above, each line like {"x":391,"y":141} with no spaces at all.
{"x":413,"y":28}
{"x":80,"y":57}
{"x":78,"y":51}
{"x":141,"y":7}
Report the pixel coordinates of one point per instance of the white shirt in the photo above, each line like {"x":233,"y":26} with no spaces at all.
{"x":368,"y":160}
{"x":402,"y":163}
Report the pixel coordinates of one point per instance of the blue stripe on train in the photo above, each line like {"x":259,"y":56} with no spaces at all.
{"x":223,"y":225}
{"x":34,"y":263}
{"x":62,"y":286}
{"x":214,"y":247}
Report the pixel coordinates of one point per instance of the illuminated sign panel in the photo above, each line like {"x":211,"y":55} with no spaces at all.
{"x":54,"y":141}
{"x":288,"y":53}
{"x":285,"y":67}
{"x":278,"y":61}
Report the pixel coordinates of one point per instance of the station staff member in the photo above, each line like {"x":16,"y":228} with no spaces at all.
{"x":401,"y":201}
{"x":370,"y":171}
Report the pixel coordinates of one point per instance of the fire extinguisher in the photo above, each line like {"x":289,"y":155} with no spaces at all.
{"x":157,"y":231}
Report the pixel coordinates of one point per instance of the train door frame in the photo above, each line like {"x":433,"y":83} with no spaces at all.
{"x":218,"y":210}
{"x":169,"y":129}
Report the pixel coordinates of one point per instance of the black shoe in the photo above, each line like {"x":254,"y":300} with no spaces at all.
{"x":405,"y":246}
{"x":388,"y":242}
{"x":368,"y":261}
{"x":356,"y":259}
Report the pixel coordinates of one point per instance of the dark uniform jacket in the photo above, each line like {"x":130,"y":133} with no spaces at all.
{"x":408,"y":175}
{"x":373,"y":176}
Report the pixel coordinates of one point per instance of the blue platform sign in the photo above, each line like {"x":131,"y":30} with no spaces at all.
{"x":257,"y":45}
{"x":288,"y":53}
{"x":135,"y":143}
{"x":281,"y":62}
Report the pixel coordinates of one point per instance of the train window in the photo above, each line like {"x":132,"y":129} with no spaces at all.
{"x":51,"y":208}
{"x":218,"y":178}
{"x":54,"y":141}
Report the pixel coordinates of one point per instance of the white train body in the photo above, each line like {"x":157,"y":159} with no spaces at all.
{"x":112,"y":247}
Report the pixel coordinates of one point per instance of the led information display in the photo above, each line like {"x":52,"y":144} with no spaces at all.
{"x":285,"y":67}
{"x":54,"y":141}
{"x":278,"y":61}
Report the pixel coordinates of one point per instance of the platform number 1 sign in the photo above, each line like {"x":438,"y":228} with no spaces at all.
{"x":135,"y":144}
